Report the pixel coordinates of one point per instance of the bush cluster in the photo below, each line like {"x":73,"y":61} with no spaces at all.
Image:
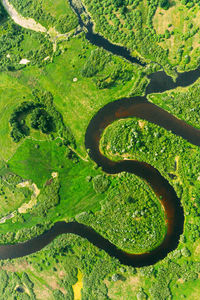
{"x":34,"y":9}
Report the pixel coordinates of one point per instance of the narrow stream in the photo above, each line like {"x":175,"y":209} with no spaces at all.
{"x":97,"y":39}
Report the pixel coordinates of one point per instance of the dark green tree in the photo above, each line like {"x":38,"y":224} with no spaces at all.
{"x":40,"y":119}
{"x":164,"y":4}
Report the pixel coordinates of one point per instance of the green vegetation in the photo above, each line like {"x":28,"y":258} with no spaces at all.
{"x":11,"y":196}
{"x":48,"y":13}
{"x":152,"y":30}
{"x":138,"y":222}
{"x":105,"y":70}
{"x":48,"y":198}
{"x":143,"y":141}
{"x":171,"y":155}
{"x":164,"y":4}
{"x":44,"y":117}
{"x":76,"y":101}
{"x":181,"y":102}
{"x":17,"y":43}
{"x":60,"y":199}
{"x":47,"y":175}
{"x":100,"y":183}
{"x":3,"y":13}
{"x":19,"y":129}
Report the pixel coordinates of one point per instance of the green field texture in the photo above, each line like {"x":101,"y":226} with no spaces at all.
{"x":181,"y":21}
{"x":18,"y":43}
{"x":37,"y":165}
{"x":11,"y":200}
{"x":58,"y":8}
{"x":50,"y":14}
{"x":112,"y":213}
{"x":76,"y":101}
{"x":77,"y":196}
{"x":176,"y":159}
{"x":169,"y":37}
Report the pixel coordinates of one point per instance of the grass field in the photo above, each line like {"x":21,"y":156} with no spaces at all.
{"x":11,"y":200}
{"x":180,"y":20}
{"x":76,"y":101}
{"x":37,"y":165}
{"x":50,"y":14}
{"x":58,"y":8}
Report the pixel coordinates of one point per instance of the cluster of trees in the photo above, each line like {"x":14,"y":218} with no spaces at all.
{"x":130,"y":216}
{"x":35,"y":9}
{"x":24,"y":234}
{"x":97,"y":267}
{"x":96,"y":62}
{"x":106,"y":70}
{"x":118,"y":3}
{"x":44,"y":117}
{"x":126,"y":27}
{"x":74,"y":253}
{"x":2,"y":13}
{"x":152,"y":4}
{"x":48,"y":198}
{"x":12,"y":49}
{"x":144,"y":141}
{"x":66,"y":22}
{"x":11,"y":179}
{"x":190,"y":3}
{"x":40,"y":119}
{"x":100,"y":183}
{"x":17,"y":120}
{"x":138,"y":139}
{"x":187,"y":271}
{"x":45,"y":48}
{"x":10,"y":39}
{"x":183,"y":104}
{"x":15,"y":286}
{"x":164,"y":4}
{"x":45,"y":99}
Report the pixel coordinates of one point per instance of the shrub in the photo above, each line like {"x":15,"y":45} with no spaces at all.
{"x":164,"y":4}
{"x":185,"y":252}
{"x":100,"y":183}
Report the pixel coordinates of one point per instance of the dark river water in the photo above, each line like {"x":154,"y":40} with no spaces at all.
{"x":123,"y":108}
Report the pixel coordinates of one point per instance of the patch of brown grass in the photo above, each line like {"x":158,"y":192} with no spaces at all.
{"x":123,"y":290}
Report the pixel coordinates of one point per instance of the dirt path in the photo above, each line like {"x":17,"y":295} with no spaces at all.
{"x":31,"y":24}
{"x":33,"y":187}
{"x":24,"y":22}
{"x":10,"y":216}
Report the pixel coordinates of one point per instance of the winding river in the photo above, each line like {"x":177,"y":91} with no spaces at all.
{"x":124,"y":108}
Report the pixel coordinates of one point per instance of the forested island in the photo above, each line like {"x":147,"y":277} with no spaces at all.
{"x":99,"y":149}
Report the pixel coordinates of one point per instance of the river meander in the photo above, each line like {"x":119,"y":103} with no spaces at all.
{"x":123,"y":108}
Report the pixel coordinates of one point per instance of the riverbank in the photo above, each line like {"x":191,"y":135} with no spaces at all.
{"x":27,"y":23}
